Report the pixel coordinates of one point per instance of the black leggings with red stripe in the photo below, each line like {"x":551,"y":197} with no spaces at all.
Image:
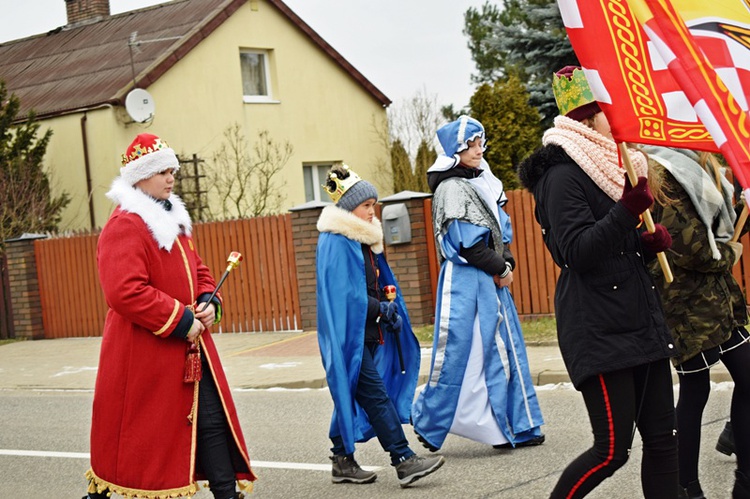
{"x":613,"y":400}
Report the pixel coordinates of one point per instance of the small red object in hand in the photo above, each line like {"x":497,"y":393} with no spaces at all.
{"x":193,"y":369}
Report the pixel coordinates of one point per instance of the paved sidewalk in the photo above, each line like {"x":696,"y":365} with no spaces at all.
{"x":251,"y":360}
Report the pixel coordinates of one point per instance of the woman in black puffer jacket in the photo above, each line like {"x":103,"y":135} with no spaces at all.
{"x":610,"y":323}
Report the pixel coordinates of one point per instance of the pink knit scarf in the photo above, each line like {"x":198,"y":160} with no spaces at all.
{"x":595,"y":154}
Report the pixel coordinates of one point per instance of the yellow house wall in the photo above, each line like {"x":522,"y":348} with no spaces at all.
{"x":319,"y":109}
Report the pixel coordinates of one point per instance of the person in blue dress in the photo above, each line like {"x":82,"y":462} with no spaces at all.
{"x":479,"y":385}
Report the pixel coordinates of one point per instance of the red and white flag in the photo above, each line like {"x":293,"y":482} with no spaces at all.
{"x":671,"y":73}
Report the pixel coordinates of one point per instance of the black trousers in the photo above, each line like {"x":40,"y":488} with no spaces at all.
{"x":215,"y":441}
{"x":694,"y":390}
{"x":613,"y":401}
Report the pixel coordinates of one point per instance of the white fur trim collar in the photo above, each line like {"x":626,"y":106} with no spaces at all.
{"x":340,"y":221}
{"x":164,"y":225}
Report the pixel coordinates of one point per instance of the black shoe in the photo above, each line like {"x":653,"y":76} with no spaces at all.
{"x":692,"y":491}
{"x":427,"y":445}
{"x":725,"y":444}
{"x":97,"y":495}
{"x":526,"y":443}
{"x":415,"y":467}
{"x":741,"y":488}
{"x":346,"y":470}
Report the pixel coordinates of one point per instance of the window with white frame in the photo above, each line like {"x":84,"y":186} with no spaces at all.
{"x":256,"y":83}
{"x":315,"y":177}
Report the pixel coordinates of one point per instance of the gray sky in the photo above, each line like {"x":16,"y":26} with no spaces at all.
{"x":401,"y":46}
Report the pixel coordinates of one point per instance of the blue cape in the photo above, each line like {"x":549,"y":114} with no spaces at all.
{"x":342,"y":310}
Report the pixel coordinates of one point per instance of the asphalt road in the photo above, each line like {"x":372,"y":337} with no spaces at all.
{"x":286,"y":432}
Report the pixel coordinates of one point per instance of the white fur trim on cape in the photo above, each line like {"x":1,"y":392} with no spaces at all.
{"x":149,"y":165}
{"x":340,"y":221}
{"x":164,"y":225}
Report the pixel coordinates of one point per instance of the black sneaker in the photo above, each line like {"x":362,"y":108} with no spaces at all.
{"x":725,"y":444}
{"x":526,"y":443}
{"x":427,"y":445}
{"x":415,"y":467}
{"x":346,"y":470}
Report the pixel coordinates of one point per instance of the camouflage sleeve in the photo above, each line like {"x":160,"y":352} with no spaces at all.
{"x":690,"y":248}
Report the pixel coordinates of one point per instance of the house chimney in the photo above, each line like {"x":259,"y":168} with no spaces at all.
{"x":86,"y":11}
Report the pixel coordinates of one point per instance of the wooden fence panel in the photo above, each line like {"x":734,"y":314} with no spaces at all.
{"x":262,"y":293}
{"x":256,"y":294}
{"x":72,"y":302}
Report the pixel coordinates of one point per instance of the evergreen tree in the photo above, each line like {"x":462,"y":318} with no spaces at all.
{"x":27,"y":204}
{"x":426,"y":156}
{"x":525,"y":38}
{"x":511,"y":124}
{"x":403,"y":178}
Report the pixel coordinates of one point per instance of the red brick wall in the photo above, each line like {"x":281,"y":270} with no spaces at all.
{"x":83,"y":10}
{"x":305,"y":237}
{"x":410,"y":265}
{"x":25,"y":301}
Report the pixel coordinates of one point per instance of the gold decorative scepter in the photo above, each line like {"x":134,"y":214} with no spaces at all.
{"x":233,"y":260}
{"x":193,"y":370}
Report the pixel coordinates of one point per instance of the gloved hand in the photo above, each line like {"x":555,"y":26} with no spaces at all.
{"x":396,"y":324}
{"x":388,"y":311}
{"x":636,"y":198}
{"x":658,"y":241}
{"x":737,"y":248}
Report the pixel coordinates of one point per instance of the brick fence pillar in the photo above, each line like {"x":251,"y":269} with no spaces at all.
{"x":305,"y":239}
{"x":25,"y":301}
{"x":410,"y":262}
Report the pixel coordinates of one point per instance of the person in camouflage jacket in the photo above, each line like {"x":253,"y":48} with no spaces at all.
{"x":704,"y":305}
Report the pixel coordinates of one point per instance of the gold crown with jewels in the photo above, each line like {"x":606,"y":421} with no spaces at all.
{"x":342,"y":185}
{"x":140,"y":149}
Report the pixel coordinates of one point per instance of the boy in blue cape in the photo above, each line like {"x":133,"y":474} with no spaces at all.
{"x":356,"y":326}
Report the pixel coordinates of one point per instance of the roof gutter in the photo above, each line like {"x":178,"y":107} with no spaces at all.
{"x":87,"y":166}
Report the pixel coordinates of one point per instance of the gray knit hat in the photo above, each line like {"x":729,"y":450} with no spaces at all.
{"x":357,"y":194}
{"x":347,"y":189}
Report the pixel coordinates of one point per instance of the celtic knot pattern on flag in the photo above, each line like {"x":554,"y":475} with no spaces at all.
{"x":659,"y":83}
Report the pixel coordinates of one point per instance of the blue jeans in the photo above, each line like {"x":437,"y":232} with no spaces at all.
{"x":373,"y":398}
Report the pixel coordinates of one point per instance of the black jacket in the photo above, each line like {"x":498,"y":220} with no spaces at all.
{"x":609,"y":316}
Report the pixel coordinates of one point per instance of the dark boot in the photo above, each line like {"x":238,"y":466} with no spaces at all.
{"x":346,"y":470}
{"x":105,"y":494}
{"x":427,"y":445}
{"x":692,"y":491}
{"x":741,"y":488}
{"x":725,"y":444}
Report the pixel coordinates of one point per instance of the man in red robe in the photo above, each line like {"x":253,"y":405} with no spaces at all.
{"x":158,"y":428}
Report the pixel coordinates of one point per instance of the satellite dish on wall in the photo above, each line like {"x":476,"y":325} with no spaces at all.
{"x":140,"y":105}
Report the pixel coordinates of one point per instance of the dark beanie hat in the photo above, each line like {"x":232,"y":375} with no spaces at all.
{"x":357,"y":194}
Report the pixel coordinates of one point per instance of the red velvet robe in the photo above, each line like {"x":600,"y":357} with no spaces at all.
{"x":142,"y":441}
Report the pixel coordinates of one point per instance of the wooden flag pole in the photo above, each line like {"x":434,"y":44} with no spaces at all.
{"x":646,"y":214}
{"x":740,"y":223}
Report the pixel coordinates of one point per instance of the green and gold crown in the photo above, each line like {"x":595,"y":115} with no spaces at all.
{"x":571,"y":93}
{"x":336,"y":187}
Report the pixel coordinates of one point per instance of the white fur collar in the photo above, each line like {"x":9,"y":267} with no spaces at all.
{"x":340,"y":221}
{"x":164,"y":225}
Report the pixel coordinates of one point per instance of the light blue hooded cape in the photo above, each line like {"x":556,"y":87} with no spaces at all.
{"x":464,"y":294}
